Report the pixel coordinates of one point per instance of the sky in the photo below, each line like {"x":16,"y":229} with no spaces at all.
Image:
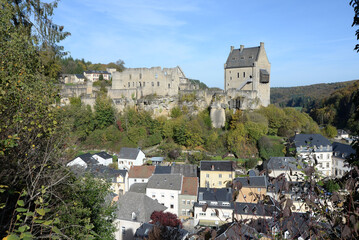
{"x":306,"y":41}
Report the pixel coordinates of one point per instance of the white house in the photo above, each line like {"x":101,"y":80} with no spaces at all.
{"x":165,"y":188}
{"x":83,"y":160}
{"x":93,"y":75}
{"x":103,"y":158}
{"x":340,"y":153}
{"x":316,"y":149}
{"x":140,"y":174}
{"x":291,"y":167}
{"x":130,"y":157}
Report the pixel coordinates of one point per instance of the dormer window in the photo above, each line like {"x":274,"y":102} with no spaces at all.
{"x":250,"y":57}
{"x":242,"y":57}
{"x":245,"y":209}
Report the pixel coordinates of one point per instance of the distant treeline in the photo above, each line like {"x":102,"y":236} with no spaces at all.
{"x":79,"y":66}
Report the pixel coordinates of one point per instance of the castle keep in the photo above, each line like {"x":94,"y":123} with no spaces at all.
{"x":246,"y":77}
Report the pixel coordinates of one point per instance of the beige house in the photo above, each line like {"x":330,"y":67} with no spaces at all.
{"x":246,"y":77}
{"x":216,"y":174}
{"x":254,"y":188}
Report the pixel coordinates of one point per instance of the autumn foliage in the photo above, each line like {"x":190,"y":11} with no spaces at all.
{"x":165,"y":219}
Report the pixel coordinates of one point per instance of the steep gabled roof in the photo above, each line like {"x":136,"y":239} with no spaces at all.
{"x":165,"y":181}
{"x":253,"y":181}
{"x":342,"y":150}
{"x":216,"y":166}
{"x":129,"y":153}
{"x":137,"y":207}
{"x":138,"y":187}
{"x":95,"y":71}
{"x":141,"y":171}
{"x":190,"y":186}
{"x":87,"y":158}
{"x":255,"y":209}
{"x":283,"y":163}
{"x":104,"y":155}
{"x":162,"y":170}
{"x":215,"y":194}
{"x":310,"y":140}
{"x":187,"y":170}
{"x":244,"y":58}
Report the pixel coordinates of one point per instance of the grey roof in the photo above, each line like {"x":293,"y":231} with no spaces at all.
{"x":259,"y":210}
{"x":215,"y":194}
{"x":237,"y":231}
{"x":138,"y":203}
{"x":165,"y":181}
{"x":310,"y":140}
{"x":106,"y":172}
{"x":342,"y":150}
{"x":217,"y":166}
{"x":95,"y":71}
{"x":128,"y":153}
{"x":79,"y":75}
{"x":157,"y":159}
{"x":283,"y":163}
{"x":143,"y":231}
{"x":138,"y":187}
{"x":104,"y":155}
{"x":252,"y":181}
{"x":162,"y":170}
{"x":187,"y":170}
{"x":175,"y":233}
{"x":87,"y":158}
{"x":244,"y":58}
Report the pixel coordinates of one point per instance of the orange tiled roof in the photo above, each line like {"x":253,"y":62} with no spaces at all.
{"x":141,"y":171}
{"x":190,"y":186}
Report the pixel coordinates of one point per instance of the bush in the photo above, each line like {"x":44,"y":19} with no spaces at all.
{"x":250,"y":163}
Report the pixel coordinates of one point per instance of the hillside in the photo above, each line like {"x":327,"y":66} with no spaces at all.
{"x":303,"y":96}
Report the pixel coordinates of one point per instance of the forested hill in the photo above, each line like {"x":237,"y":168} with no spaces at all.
{"x":303,"y":96}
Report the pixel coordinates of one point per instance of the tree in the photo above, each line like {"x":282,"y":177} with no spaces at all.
{"x":355,"y":5}
{"x":165,"y":219}
{"x":104,"y":111}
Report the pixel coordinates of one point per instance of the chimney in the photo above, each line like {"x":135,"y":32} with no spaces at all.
{"x":261,"y":44}
{"x":232,"y":48}
{"x":241,"y":49}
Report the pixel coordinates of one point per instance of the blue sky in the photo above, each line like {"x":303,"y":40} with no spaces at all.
{"x":306,"y":41}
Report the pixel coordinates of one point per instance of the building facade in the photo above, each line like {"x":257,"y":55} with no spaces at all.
{"x":246,"y":77}
{"x":215,"y":174}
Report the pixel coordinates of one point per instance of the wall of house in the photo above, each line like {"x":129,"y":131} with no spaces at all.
{"x":166,"y":197}
{"x":136,"y":180}
{"x":250,"y":194}
{"x":130,"y":228}
{"x":296,"y":175}
{"x":185,"y":205}
{"x":215,"y":179}
{"x":210,"y":218}
{"x":339,"y":167}
{"x":77,"y":161}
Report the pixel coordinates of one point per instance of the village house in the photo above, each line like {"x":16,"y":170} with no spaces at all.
{"x":244,"y":210}
{"x":130,"y":157}
{"x":133,"y":209}
{"x":103,"y":158}
{"x":340,"y":153}
{"x":166,"y":188}
{"x":215,"y":174}
{"x":188,"y":197}
{"x":83,"y":161}
{"x":214,"y":207}
{"x":94,"y":75}
{"x":289,"y":166}
{"x":140,"y":174}
{"x":254,"y":188}
{"x":315,"y":149}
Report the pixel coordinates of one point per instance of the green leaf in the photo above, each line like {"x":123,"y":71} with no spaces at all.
{"x":56,"y":230}
{"x":21,"y":209}
{"x":40,"y":211}
{"x":21,"y":203}
{"x":26,"y":236}
{"x":47,"y":223}
{"x":13,"y":237}
{"x":23,"y":229}
{"x":29,"y":214}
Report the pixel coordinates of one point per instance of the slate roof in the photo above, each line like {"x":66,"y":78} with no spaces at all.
{"x":252,"y":181}
{"x":187,"y":170}
{"x":157,"y":159}
{"x":138,"y":187}
{"x":141,"y":171}
{"x":143,"y":231}
{"x":190,"y":186}
{"x":165,"y":181}
{"x":87,"y":158}
{"x":162,"y":170}
{"x":104,"y":155}
{"x":283,"y":163}
{"x":342,"y":150}
{"x":217,"y":166}
{"x":106,"y":172}
{"x":237,"y":231}
{"x":138,"y":203}
{"x":310,"y":140}
{"x":244,"y":58}
{"x":215,"y":194}
{"x":95,"y":71}
{"x":129,"y":153}
{"x":79,"y":75}
{"x":253,"y":209}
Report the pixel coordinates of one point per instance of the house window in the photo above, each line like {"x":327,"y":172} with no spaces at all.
{"x":133,"y":84}
{"x":183,"y":211}
{"x":226,"y":215}
{"x":259,"y":189}
{"x":158,"y":84}
{"x":123,"y":230}
{"x":220,"y":175}
{"x":130,"y":77}
{"x":183,"y":201}
{"x":153,"y":84}
{"x":135,"y":180}
{"x":153,"y":195}
{"x":230,"y":78}
{"x":207,"y":175}
{"x":327,"y":165}
{"x":202,"y":214}
{"x":129,"y":84}
{"x":162,"y":195}
{"x":144,"y":84}
{"x":171,"y":206}
{"x":140,"y":84}
{"x":140,"y":75}
{"x":143,"y":180}
{"x":213,"y":214}
{"x":156,"y":75}
{"x":172,"y":196}
{"x":188,"y":202}
{"x":220,"y":183}
{"x":169,"y":85}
